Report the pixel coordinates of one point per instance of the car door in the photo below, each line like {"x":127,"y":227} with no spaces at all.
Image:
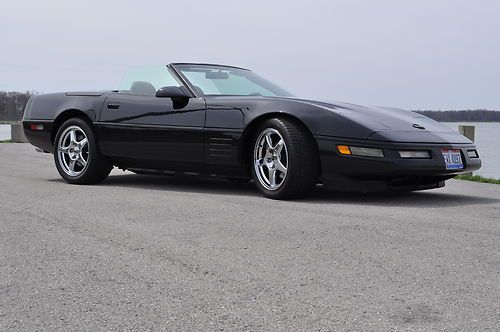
{"x":142,"y":130}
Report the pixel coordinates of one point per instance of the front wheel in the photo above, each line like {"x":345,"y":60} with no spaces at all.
{"x":76,"y":155}
{"x":284,"y":159}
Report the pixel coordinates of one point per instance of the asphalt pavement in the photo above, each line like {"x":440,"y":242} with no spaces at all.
{"x":163,"y":253}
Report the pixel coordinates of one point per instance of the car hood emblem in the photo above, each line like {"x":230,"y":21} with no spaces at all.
{"x":416,"y":125}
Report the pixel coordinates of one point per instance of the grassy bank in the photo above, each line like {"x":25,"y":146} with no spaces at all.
{"x":6,"y":141}
{"x":478,"y":178}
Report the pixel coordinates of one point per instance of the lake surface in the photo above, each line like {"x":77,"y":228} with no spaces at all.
{"x":487,"y":141}
{"x":4,"y":132}
{"x":488,"y":145}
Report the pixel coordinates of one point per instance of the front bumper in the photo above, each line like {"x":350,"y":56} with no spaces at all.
{"x":357,"y":173}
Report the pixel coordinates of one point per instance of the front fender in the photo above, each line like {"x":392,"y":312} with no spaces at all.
{"x":242,"y":112}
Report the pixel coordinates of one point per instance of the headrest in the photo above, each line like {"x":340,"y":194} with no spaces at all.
{"x":143,"y":88}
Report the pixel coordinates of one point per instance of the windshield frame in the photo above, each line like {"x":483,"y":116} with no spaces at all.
{"x":268,"y":85}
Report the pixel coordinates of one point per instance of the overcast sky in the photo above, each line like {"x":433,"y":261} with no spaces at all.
{"x":417,"y":54}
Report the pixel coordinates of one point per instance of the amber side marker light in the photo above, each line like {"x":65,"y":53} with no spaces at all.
{"x":360,"y":151}
{"x":343,"y":149}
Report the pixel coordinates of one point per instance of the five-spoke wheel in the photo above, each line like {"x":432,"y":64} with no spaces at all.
{"x":73,"y":150}
{"x":76,"y":154}
{"x":270,"y":159}
{"x":284,"y":159}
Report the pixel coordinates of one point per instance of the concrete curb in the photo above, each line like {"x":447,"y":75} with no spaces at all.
{"x":17,"y":133}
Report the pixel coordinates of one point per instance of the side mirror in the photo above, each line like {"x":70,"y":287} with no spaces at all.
{"x":179,"y":97}
{"x":173,"y":92}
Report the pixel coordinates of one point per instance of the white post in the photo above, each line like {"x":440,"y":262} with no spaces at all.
{"x":470,"y":133}
{"x":17,"y":133}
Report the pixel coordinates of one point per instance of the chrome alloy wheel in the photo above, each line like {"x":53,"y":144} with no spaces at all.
{"x":270,"y":159}
{"x":73,"y":151}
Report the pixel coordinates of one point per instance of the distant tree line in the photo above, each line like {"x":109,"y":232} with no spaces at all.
{"x":463,"y":116}
{"x":12,"y":105}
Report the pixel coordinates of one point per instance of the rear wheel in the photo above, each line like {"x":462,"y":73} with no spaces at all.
{"x":284,"y":160}
{"x":76,"y":155}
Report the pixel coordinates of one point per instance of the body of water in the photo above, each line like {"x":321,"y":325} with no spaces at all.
{"x":4,"y":132}
{"x":487,"y":141}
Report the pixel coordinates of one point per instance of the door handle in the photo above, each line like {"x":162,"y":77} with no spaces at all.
{"x":113,"y":106}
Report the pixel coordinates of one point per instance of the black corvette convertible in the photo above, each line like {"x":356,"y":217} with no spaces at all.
{"x":228,"y":122}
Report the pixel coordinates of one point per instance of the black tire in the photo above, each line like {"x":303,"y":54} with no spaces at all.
{"x":97,"y":167}
{"x":302,"y":169}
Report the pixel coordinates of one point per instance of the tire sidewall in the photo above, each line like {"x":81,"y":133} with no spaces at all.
{"x":84,"y":126}
{"x":278,"y":125}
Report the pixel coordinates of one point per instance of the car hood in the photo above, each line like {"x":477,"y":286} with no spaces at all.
{"x":392,"y":124}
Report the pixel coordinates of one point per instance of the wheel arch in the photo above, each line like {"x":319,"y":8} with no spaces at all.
{"x":248,"y":133}
{"x":64,"y":116}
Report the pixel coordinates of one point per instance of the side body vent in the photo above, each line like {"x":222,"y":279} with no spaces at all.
{"x":220,"y":147}
{"x":221,"y":150}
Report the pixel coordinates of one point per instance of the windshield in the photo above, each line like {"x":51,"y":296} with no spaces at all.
{"x":228,"y":81}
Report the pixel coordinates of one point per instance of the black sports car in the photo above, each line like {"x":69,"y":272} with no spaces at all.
{"x":223,"y":121}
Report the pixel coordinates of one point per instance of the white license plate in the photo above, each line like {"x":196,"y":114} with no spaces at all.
{"x":453,"y":159}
